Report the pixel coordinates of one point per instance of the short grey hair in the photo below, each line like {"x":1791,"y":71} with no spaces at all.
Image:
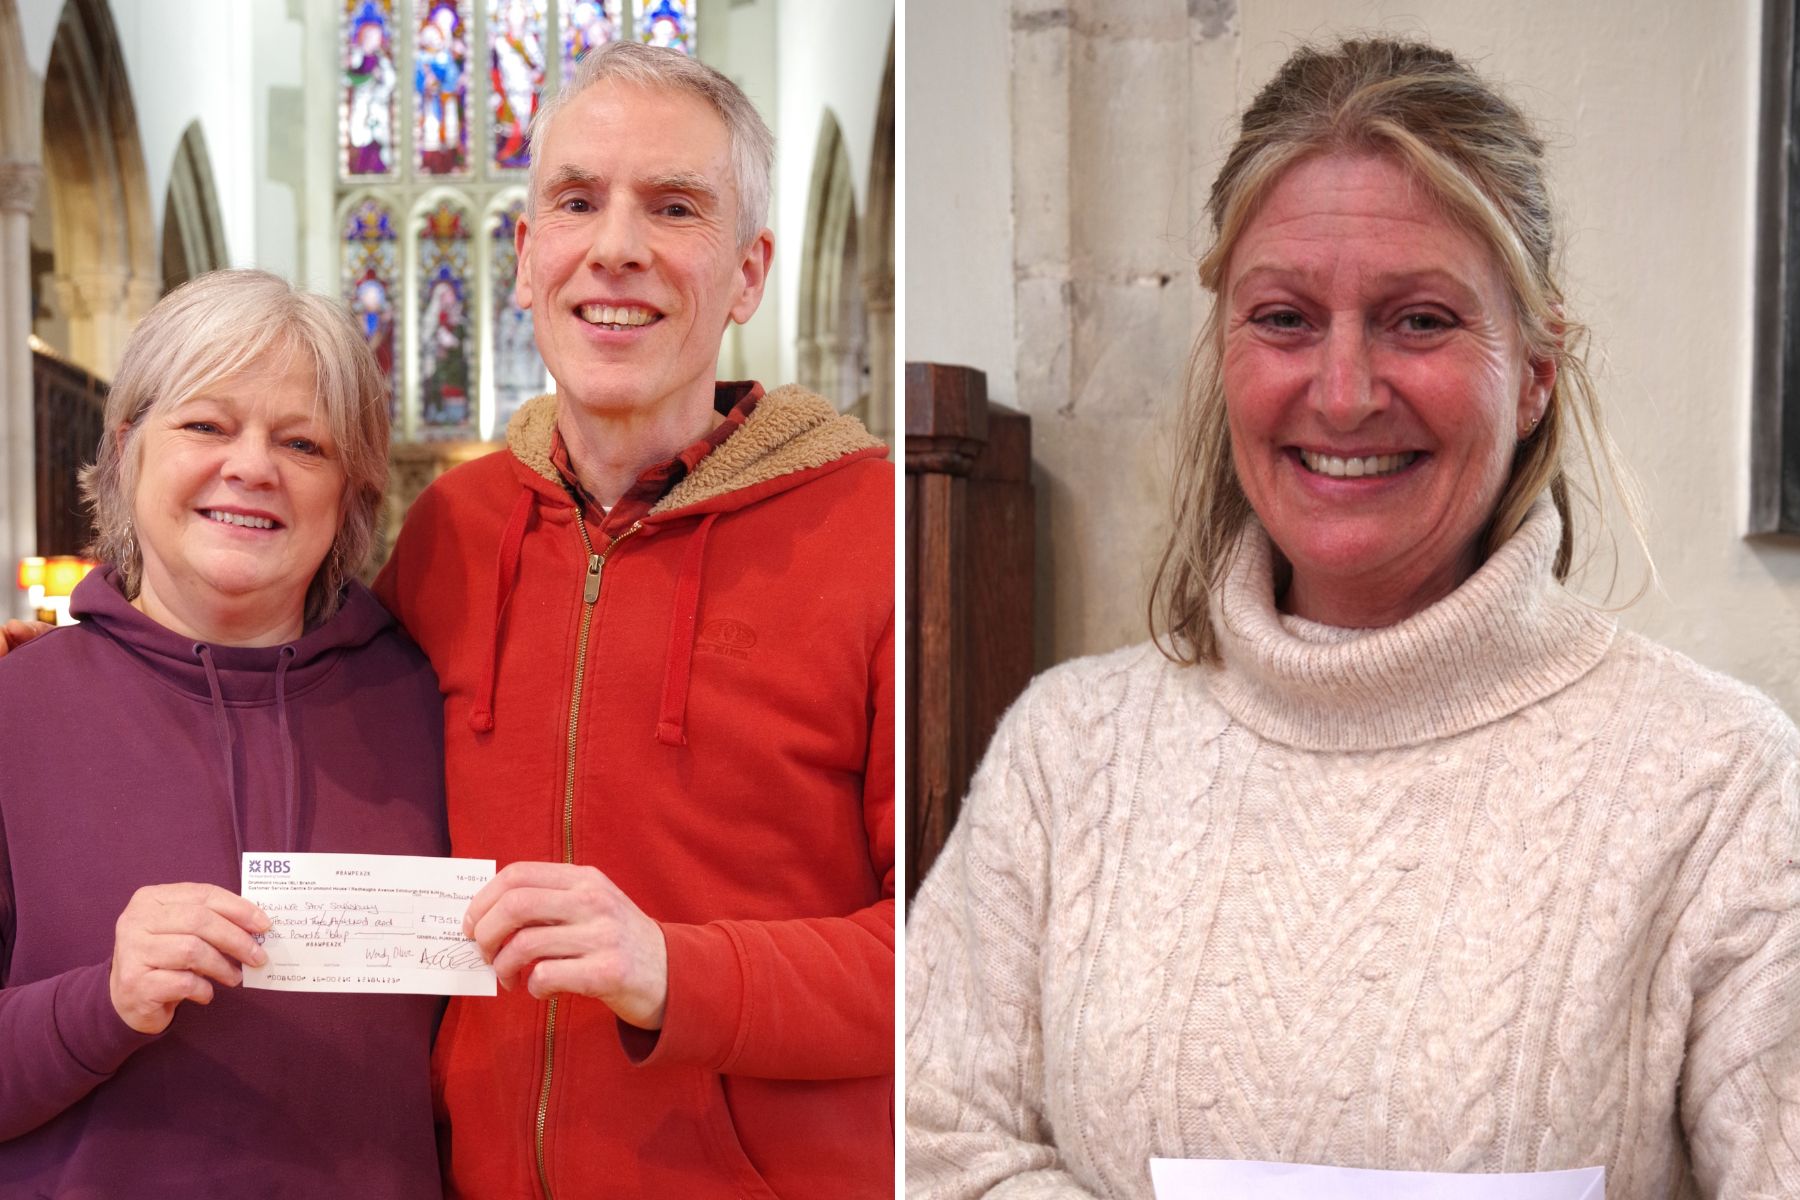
{"x":209,"y":330}
{"x":658,"y":67}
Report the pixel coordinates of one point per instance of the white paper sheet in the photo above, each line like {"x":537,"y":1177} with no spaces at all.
{"x":1208,"y":1179}
{"x":367,"y":923}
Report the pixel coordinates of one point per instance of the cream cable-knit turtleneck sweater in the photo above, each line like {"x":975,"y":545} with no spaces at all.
{"x":1498,"y":888}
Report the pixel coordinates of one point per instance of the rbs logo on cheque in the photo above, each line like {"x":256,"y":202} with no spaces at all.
{"x":270,"y":866}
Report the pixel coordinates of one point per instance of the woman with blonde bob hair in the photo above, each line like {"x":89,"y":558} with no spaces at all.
{"x":230,"y":688}
{"x":211,"y":330}
{"x":1402,"y":856}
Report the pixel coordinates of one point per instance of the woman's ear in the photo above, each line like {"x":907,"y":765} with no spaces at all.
{"x":1534,"y":394}
{"x":1540,"y":375}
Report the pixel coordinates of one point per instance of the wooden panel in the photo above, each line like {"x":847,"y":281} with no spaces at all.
{"x":969,"y":529}
{"x":998,"y":565}
{"x":1775,"y":387}
{"x":937,"y":762}
{"x":67,"y":416}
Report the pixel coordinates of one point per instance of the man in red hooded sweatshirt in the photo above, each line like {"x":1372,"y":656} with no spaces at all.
{"x":662,"y":621}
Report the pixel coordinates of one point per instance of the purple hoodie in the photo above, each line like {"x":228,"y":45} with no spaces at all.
{"x":132,"y":756}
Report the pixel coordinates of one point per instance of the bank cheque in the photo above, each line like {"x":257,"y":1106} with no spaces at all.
{"x":367,"y":923}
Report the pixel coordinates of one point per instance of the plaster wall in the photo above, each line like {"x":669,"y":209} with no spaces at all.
{"x":959,"y":189}
{"x":740,"y":41}
{"x":275,"y":82}
{"x":829,"y":54}
{"x":318,"y":56}
{"x":37,"y":28}
{"x":1119,"y":116}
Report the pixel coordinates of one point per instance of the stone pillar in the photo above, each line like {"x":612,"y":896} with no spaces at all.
{"x":1120,"y":115}
{"x":19,"y":183}
{"x":141,"y":294}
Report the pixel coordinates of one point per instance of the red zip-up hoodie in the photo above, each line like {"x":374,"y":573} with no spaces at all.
{"x":700,"y":704}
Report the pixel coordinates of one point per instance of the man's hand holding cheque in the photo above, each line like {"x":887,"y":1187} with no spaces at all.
{"x":559,"y":927}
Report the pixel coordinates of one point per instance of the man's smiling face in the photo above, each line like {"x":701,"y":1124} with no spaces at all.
{"x":629,"y":260}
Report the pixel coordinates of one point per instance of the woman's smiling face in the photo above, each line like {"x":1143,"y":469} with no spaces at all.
{"x":1376,"y":386}
{"x":239,"y":497}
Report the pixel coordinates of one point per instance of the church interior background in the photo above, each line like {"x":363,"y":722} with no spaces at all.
{"x":373,"y":150}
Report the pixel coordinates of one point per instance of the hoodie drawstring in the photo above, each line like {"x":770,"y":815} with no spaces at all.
{"x":287,"y":748}
{"x":671,"y":723}
{"x":671,"y":718}
{"x":222,"y":727}
{"x":481,"y":719}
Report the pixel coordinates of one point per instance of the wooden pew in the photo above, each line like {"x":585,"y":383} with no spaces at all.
{"x":969,"y":562}
{"x":67,"y":408}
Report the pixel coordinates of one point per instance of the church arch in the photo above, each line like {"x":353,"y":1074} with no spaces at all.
{"x":831,"y":335}
{"x":106,"y":250}
{"x":193,"y":240}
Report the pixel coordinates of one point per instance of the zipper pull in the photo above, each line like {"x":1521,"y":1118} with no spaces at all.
{"x":591,"y":592}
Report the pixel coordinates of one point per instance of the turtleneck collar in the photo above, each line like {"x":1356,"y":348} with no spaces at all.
{"x":1507,"y":638}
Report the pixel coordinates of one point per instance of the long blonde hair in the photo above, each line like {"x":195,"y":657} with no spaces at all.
{"x":1477,"y":154}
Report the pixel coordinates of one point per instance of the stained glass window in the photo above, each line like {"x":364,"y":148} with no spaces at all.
{"x":371,"y":273}
{"x":429,"y":194}
{"x":667,"y":23}
{"x":586,"y":24}
{"x":446,"y":330}
{"x":518,"y":371}
{"x":441,"y":86}
{"x":515,"y":31}
{"x":366,"y":107}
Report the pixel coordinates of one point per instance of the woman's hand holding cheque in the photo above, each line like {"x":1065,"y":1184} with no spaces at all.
{"x":173,"y":942}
